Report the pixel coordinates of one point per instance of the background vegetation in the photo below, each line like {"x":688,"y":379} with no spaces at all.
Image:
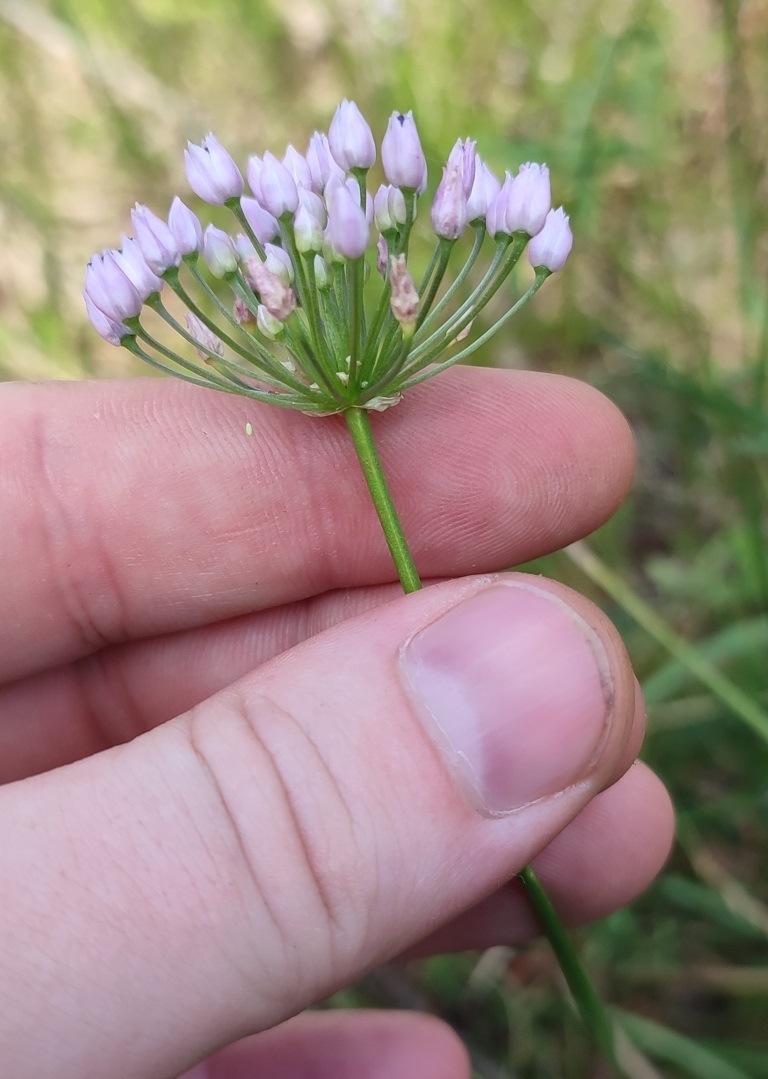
{"x":653,"y":120}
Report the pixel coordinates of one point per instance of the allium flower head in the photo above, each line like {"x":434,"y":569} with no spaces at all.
{"x":300,"y":320}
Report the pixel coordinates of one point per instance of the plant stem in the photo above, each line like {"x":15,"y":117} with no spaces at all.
{"x":593,"y":1013}
{"x":359,"y":425}
{"x":727,"y":692}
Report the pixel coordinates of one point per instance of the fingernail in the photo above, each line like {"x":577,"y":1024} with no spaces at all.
{"x":514,"y":686}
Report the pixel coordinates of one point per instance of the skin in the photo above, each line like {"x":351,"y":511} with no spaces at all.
{"x":218,"y":803}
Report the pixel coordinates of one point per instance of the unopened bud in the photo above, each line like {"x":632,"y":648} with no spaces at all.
{"x":552,"y":246}
{"x":211,"y":171}
{"x":157,"y":243}
{"x":463,"y":157}
{"x":185,"y":226}
{"x":322,"y":273}
{"x":449,"y":208}
{"x":402,"y":157}
{"x":270,"y":326}
{"x":350,"y":138}
{"x":389,"y":211}
{"x":348,"y":231}
{"x":484,"y":190}
{"x":264,"y":224}
{"x":207,"y":340}
{"x":218,"y":252}
{"x":278,"y":187}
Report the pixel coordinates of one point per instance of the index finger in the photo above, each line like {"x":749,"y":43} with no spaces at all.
{"x":138,"y":508}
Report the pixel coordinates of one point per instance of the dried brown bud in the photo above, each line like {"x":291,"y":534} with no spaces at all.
{"x":405,"y":299}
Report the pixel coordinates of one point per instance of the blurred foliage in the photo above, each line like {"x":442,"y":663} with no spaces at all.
{"x":654,"y":120}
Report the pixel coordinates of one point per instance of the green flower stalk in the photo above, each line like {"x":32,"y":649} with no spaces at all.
{"x":313,"y":302}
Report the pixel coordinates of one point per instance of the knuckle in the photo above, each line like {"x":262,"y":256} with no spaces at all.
{"x":289,"y":825}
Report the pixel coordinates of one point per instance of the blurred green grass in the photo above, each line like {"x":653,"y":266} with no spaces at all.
{"x":653,"y":119}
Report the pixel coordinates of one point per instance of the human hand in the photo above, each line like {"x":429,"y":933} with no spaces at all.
{"x":176,"y":884}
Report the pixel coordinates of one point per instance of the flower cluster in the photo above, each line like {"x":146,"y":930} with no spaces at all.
{"x":295,"y":328}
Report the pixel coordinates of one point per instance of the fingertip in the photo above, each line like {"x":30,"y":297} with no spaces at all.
{"x":347,"y":1045}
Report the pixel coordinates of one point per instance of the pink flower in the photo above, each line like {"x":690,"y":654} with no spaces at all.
{"x":551,"y":247}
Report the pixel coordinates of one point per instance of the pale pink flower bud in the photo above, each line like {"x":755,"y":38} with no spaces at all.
{"x":111,"y":331}
{"x":253,"y":172}
{"x":495,"y":216}
{"x":278,"y":187}
{"x":131,"y":261}
{"x":211,"y":171}
{"x":244,"y":247}
{"x":307,"y":231}
{"x":351,"y":139}
{"x":463,"y":156}
{"x":297,"y":165}
{"x":314,"y":204}
{"x":206,"y":338}
{"x":219,"y":252}
{"x":404,"y":300}
{"x":484,"y":190}
{"x":110,"y":290}
{"x":264,"y":224}
{"x":353,"y":187}
{"x":389,"y":208}
{"x":449,"y":208}
{"x":402,"y":157}
{"x":270,"y":326}
{"x":278,"y":262}
{"x":321,"y":163}
{"x":157,"y":243}
{"x":185,"y":227}
{"x":550,"y":247}
{"x":278,"y":298}
{"x":529,"y":200}
{"x":348,"y":229}
{"x":322,"y":272}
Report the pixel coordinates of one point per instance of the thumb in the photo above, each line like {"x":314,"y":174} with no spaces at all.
{"x":220,"y":873}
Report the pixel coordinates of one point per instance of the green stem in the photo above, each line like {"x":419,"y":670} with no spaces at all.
{"x":727,"y":692}
{"x":591,"y":1009}
{"x":593,"y":1013}
{"x":359,"y":425}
